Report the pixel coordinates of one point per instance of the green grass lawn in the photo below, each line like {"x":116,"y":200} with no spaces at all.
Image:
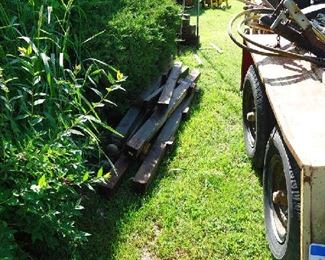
{"x":206,"y":201}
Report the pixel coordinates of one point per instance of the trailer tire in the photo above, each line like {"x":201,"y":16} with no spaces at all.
{"x":281,"y":184}
{"x":257,"y":129}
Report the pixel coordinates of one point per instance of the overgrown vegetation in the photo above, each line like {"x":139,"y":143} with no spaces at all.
{"x":55,"y":83}
{"x":138,"y":38}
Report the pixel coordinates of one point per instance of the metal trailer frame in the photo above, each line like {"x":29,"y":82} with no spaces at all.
{"x":305,"y":99}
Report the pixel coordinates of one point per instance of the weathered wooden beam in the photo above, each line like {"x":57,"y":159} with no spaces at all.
{"x":148,"y":169}
{"x":155,"y":121}
{"x":151,"y":99}
{"x":159,"y":117}
{"x":184,"y":71}
{"x":171,"y":126}
{"x":193,"y":77}
{"x":139,"y":122}
{"x":194,"y":90}
{"x":128,"y":120}
{"x":184,"y":74}
{"x":170,"y":85}
{"x":153,"y":87}
{"x":120,"y":168}
{"x":127,"y":123}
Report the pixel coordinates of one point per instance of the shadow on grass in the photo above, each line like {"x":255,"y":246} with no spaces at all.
{"x":259,"y":174}
{"x":103,"y":217}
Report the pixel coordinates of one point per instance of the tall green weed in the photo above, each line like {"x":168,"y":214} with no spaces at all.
{"x":55,"y":83}
{"x":49,"y":127}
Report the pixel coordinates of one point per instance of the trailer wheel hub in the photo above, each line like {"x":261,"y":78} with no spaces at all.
{"x":279,"y":200}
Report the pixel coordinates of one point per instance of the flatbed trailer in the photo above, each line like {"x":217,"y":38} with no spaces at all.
{"x":295,"y":92}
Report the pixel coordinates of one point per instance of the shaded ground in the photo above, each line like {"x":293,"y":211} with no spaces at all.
{"x":206,"y":201}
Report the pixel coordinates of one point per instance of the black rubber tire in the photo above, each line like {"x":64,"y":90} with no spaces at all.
{"x":254,"y":95}
{"x":289,"y":246}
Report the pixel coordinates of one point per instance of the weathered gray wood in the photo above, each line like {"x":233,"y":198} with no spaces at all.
{"x":171,"y":125}
{"x":193,"y":76}
{"x":153,"y":87}
{"x":170,"y":85}
{"x":194,"y":90}
{"x":139,"y":122}
{"x":159,"y":117}
{"x":127,"y":123}
{"x":149,"y":167}
{"x":147,"y":170}
{"x":156,"y":120}
{"x":151,"y":99}
{"x":128,"y":120}
{"x":184,"y":71}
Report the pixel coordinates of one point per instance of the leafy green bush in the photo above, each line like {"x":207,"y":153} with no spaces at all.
{"x":142,"y":38}
{"x":49,"y":129}
{"x":139,"y":37}
{"x":54,"y":83}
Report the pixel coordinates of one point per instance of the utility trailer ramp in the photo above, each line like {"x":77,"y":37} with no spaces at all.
{"x":296,"y":92}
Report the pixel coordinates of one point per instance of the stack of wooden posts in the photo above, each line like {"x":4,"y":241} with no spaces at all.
{"x":149,"y":127}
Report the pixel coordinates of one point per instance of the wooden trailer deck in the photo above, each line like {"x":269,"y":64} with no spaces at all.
{"x":296,"y":92}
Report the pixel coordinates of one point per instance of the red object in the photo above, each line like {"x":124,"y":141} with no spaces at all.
{"x":247,"y":61}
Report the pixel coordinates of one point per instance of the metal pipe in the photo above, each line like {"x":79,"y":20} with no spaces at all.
{"x":267,"y":51}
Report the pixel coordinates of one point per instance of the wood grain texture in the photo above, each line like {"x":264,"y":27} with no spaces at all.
{"x":155,"y":122}
{"x":296,"y":92}
{"x":127,"y":123}
{"x":193,"y":77}
{"x":170,"y":85}
{"x":149,"y":167}
{"x":159,"y":117}
{"x":147,"y":170}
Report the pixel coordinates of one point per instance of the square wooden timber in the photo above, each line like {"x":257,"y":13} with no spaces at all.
{"x":296,"y":92}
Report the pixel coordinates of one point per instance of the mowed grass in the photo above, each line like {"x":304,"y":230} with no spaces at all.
{"x":206,"y":202}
